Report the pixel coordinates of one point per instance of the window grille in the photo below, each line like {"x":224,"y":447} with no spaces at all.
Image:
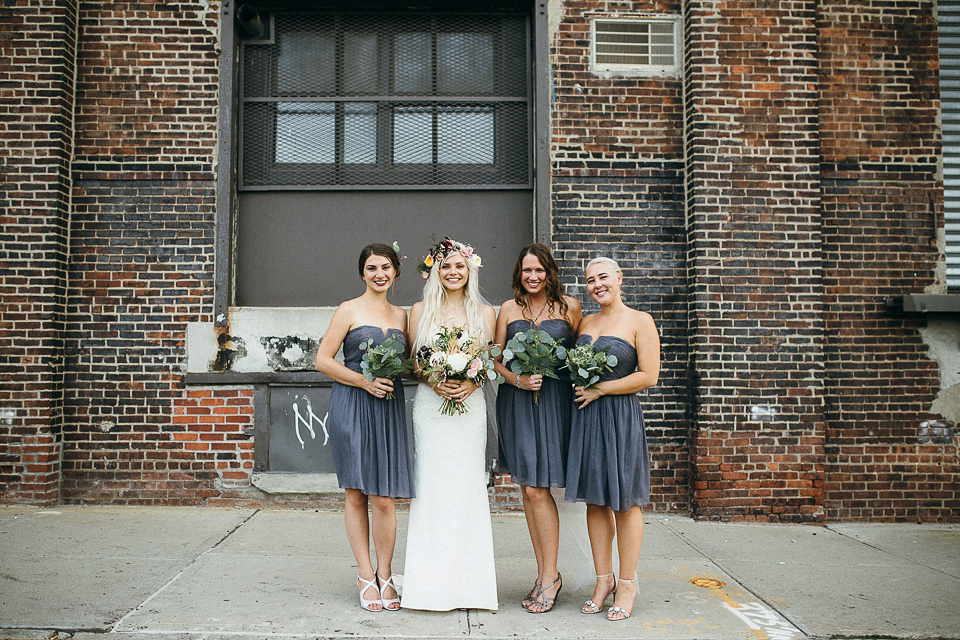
{"x":949,"y":31}
{"x":391,"y":100}
{"x":635,"y":45}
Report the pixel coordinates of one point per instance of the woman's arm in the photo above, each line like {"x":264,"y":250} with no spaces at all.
{"x":445,"y":388}
{"x":574,"y":313}
{"x":504,"y":318}
{"x":414,"y":319}
{"x":327,"y":363}
{"x":489,"y":322}
{"x":647,"y":343}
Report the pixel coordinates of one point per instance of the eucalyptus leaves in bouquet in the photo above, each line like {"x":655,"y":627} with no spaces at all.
{"x":534,"y":352}
{"x":384,"y":360}
{"x":587,"y":363}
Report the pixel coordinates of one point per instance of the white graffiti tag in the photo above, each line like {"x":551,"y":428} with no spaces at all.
{"x":308,"y":421}
{"x":759,"y":617}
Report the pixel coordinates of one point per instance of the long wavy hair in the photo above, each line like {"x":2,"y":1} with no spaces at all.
{"x":553,"y":287}
{"x":435,"y":296}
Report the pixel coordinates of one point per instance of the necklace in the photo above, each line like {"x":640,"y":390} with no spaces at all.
{"x":539,"y":313}
{"x":452,"y":317}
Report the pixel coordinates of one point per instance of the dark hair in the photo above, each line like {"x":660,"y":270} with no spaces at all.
{"x":379,"y":249}
{"x":554,"y":288}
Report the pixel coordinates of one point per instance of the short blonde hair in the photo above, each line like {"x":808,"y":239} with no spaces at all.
{"x":604,"y":260}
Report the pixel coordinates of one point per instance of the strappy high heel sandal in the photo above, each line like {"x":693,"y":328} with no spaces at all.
{"x":370,"y":584}
{"x":544,"y":602}
{"x":592,"y":607}
{"x":615,"y":613}
{"x":386,"y":602}
{"x":526,"y":602}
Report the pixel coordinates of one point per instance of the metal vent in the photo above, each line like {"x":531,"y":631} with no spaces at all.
{"x":351,"y":100}
{"x":633,"y":44}
{"x":949,"y":32}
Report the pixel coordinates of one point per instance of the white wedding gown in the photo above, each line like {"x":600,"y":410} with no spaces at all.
{"x":449,"y":560}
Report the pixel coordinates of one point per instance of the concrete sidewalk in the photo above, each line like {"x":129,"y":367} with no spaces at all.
{"x":135,"y":573}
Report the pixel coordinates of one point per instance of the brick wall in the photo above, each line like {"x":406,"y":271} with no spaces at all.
{"x":789,"y":273}
{"x":617,"y":190}
{"x":141,"y":252}
{"x":882,"y":209}
{"x":754,"y":257}
{"x":37,"y":62}
{"x":762,"y":213}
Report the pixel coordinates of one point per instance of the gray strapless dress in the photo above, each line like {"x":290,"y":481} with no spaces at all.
{"x":368,"y":435}
{"x":608,"y":463}
{"x":534,"y":437}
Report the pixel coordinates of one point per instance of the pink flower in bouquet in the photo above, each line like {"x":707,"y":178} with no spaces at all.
{"x":476,"y":366}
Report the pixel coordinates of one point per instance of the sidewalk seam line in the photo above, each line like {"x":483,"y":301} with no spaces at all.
{"x":732,"y":574}
{"x":887,"y":552}
{"x":176,"y":577}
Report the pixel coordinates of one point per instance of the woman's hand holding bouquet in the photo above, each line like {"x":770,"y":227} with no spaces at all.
{"x":455,"y":355}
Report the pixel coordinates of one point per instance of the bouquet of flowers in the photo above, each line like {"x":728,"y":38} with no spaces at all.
{"x":457,"y":356}
{"x":587,"y":363}
{"x":534,"y":352}
{"x":384,"y":360}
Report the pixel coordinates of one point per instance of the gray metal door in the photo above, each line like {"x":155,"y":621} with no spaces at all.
{"x":380,"y":127}
{"x":300,"y":248}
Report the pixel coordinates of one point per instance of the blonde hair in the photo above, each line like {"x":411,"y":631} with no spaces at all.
{"x":435,"y":295}
{"x":604,"y":260}
{"x":610,"y":262}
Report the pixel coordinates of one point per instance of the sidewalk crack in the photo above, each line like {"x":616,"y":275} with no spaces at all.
{"x":116,"y":625}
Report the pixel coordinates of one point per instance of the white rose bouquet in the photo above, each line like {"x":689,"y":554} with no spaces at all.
{"x":455,"y":355}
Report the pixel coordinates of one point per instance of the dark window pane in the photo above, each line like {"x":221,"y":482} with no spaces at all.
{"x":306,"y":64}
{"x":360,"y":70}
{"x":464,"y":63}
{"x":412,"y":64}
{"x":386,"y":117}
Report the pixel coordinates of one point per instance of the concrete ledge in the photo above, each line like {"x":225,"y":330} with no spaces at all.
{"x":261,"y":377}
{"x":278,"y":483}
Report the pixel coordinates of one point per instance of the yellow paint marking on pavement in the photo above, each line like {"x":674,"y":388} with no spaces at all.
{"x":761,"y":620}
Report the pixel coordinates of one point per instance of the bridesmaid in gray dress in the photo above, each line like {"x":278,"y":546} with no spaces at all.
{"x":608,"y":465}
{"x":368,"y":431}
{"x":533,"y":436}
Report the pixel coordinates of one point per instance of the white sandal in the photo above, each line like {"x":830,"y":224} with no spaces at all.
{"x":590,"y":606}
{"x":619,"y":613}
{"x":366,"y":604}
{"x":386,"y":602}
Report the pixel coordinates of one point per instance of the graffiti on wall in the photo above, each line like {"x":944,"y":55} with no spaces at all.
{"x":307,"y":417}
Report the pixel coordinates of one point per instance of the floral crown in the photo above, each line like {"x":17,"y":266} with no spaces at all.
{"x":443,"y":250}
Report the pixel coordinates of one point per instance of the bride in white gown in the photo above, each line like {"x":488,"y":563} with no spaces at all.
{"x":449,"y":560}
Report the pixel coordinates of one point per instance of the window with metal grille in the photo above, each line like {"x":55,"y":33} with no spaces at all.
{"x":949,"y":32}
{"x":644,"y":46}
{"x":340,"y":101}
